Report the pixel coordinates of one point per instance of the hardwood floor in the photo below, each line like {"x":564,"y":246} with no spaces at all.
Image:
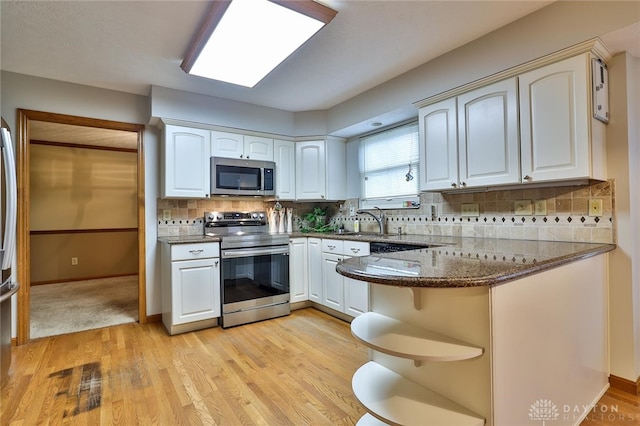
{"x":294,"y":370}
{"x":287,"y":371}
{"x":615,"y":408}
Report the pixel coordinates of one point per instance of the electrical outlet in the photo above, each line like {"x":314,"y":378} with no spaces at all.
{"x":74,"y":261}
{"x":595,"y":207}
{"x":166,"y":214}
{"x":470,"y":210}
{"x":540,"y":207}
{"x":352,"y":211}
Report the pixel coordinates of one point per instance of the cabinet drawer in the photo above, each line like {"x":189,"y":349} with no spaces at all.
{"x":194,"y":251}
{"x":356,"y":248}
{"x":333,"y":246}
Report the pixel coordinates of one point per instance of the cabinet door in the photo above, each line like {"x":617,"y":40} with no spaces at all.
{"x":285,"y":158}
{"x":333,"y":283}
{"x":228,"y":145}
{"x":186,"y":162}
{"x":310,"y":170}
{"x":195,"y":288}
{"x":258,"y":148}
{"x":488,"y":135}
{"x":298,"y":271}
{"x":554,"y":120}
{"x":314,"y":247}
{"x":356,"y":297}
{"x":438,"y":146}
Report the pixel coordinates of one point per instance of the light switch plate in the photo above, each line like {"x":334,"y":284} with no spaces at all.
{"x":595,"y":207}
{"x":166,"y":214}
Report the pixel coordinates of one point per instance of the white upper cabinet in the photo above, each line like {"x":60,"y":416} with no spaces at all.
{"x":559,"y":138}
{"x":321,"y":171}
{"x":233,"y":145}
{"x":471,"y":140}
{"x":285,"y":159}
{"x":185,"y":160}
{"x":488,"y":135}
{"x":438,"y":146}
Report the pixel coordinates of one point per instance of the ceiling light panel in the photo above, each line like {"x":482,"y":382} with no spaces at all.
{"x":251,"y":38}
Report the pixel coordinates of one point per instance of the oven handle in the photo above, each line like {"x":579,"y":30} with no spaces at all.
{"x":226,"y":254}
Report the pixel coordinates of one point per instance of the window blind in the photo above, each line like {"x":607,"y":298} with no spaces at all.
{"x":389,"y":163}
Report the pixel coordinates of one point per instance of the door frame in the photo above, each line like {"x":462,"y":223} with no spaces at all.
{"x":23,"y":242}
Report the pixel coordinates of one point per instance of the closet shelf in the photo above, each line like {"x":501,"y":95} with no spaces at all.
{"x":393,"y":337}
{"x":397,"y":400}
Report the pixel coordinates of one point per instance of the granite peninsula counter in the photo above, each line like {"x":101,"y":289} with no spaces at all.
{"x":465,"y":262}
{"x":490,"y":326}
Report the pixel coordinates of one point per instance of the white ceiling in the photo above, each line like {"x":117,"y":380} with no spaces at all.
{"x":130,"y":45}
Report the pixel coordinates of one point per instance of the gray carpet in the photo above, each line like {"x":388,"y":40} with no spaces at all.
{"x":83,"y":305}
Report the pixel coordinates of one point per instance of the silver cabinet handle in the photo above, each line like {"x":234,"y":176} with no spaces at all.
{"x":216,"y":262}
{"x":453,"y":185}
{"x":331,"y":247}
{"x":355,"y":250}
{"x":527,"y":177}
{"x":463,"y":184}
{"x":196,"y":251}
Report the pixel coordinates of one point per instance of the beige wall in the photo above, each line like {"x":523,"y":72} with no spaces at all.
{"x":79,"y":189}
{"x":623,"y":148}
{"x":102,"y":254}
{"x":82,"y":188}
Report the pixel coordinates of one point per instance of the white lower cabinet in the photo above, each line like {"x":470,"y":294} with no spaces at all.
{"x":298,"y":270}
{"x":190,"y":286}
{"x":339,"y":292}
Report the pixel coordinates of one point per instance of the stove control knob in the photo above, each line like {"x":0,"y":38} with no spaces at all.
{"x":261,"y":215}
{"x":210,"y":217}
{"x":254,"y":215}
{"x":219,"y":217}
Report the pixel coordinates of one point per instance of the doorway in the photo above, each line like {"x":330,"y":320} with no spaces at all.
{"x":83,"y":139}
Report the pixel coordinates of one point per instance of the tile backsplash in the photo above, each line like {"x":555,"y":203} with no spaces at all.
{"x":502,"y":214}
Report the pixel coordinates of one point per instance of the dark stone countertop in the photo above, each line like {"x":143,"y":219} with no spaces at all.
{"x":465,"y":262}
{"x":188,"y":239}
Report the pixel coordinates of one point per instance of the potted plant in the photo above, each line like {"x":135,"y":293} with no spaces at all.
{"x":315,"y":221}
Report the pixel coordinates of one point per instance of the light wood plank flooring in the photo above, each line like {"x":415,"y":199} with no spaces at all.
{"x":294,"y":370}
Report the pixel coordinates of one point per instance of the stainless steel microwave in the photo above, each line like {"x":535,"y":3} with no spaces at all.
{"x":231,"y":176}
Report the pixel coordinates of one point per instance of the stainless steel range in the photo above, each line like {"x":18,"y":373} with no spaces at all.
{"x":255,"y":267}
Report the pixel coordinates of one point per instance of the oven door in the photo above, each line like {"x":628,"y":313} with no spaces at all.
{"x":255,"y":280}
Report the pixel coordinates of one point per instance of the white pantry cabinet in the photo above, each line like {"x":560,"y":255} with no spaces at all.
{"x":321,"y":171}
{"x":284,"y":153}
{"x":298,"y":270}
{"x":234,"y":145}
{"x":559,"y":138}
{"x":471,"y":140}
{"x":185,"y":162}
{"x":190,"y":286}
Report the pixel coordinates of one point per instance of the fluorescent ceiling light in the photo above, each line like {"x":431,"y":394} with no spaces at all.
{"x":242,"y":41}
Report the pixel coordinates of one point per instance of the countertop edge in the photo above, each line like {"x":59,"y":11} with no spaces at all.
{"x":479,"y":281}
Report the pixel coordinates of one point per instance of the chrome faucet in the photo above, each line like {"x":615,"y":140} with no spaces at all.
{"x":379,"y":219}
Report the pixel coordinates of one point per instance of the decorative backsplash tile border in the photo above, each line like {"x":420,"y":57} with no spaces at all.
{"x":566,"y":219}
